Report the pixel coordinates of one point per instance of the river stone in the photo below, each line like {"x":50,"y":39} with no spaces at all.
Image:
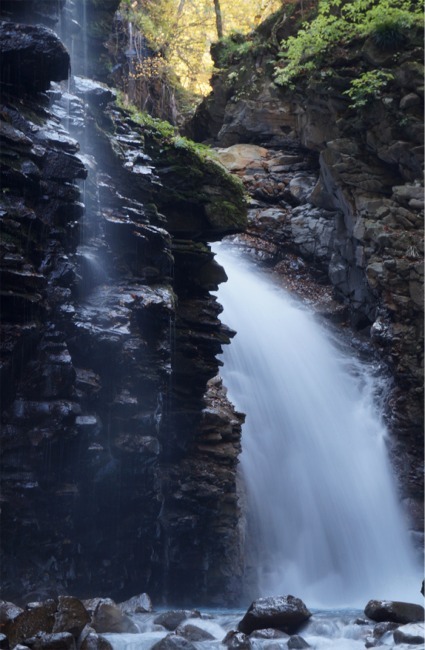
{"x":172,"y":619}
{"x":58,"y":641}
{"x":296,"y":642}
{"x":137,"y":604}
{"x":412,"y":633}
{"x":8,"y":613}
{"x":194,"y":633}
{"x":71,"y":616}
{"x":108,"y":617}
{"x":237,"y":640}
{"x":285,"y":613}
{"x":4,"y":642}
{"x":382,"y":628}
{"x":174,"y":642}
{"x":38,"y":617}
{"x":93,"y":641}
{"x":390,"y":610}
{"x":268,"y":633}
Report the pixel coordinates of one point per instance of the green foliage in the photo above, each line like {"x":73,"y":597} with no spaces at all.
{"x":338,"y":22}
{"x":234,"y":48}
{"x":163,"y":131}
{"x":367,"y":87}
{"x":183,"y":31}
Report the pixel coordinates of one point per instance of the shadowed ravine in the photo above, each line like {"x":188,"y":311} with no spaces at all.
{"x":323,"y":509}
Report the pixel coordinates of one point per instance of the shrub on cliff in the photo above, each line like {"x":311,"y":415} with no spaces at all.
{"x":338,"y":22}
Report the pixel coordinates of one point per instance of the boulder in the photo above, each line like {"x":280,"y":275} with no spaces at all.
{"x":71,"y":616}
{"x":239,"y":156}
{"x":237,"y":640}
{"x":90,"y":640}
{"x":31,"y":57}
{"x":37,"y":617}
{"x":108,"y":617}
{"x":8,"y":613}
{"x":174,"y":642}
{"x":194,"y":633}
{"x":268,"y":633}
{"x":58,"y":641}
{"x":94,"y":92}
{"x":137,"y":604}
{"x":296,"y":642}
{"x":395,"y":611}
{"x":301,"y":187}
{"x":172,"y":619}
{"x":4,"y":642}
{"x":412,"y":633}
{"x":382,"y":628}
{"x":285,"y":613}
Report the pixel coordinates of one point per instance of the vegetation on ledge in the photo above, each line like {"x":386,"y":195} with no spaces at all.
{"x":198,"y":193}
{"x":337,"y":23}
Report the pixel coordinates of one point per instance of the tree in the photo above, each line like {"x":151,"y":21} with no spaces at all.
{"x":182,"y":31}
{"x":218,"y":18}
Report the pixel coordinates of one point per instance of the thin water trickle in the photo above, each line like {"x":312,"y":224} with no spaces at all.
{"x":325,"y":523}
{"x":85,"y":41}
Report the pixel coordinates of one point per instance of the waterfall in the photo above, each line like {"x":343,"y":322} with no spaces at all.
{"x":324,"y":520}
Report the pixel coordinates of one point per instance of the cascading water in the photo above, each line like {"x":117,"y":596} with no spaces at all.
{"x":324,"y":515}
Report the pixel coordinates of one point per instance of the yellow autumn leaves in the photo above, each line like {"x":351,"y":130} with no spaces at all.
{"x":180,"y":32}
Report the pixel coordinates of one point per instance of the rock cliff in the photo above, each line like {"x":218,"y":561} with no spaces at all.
{"x":338,"y":188}
{"x":119,"y":449}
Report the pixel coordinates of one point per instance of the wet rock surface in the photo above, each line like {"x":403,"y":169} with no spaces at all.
{"x":31,"y":58}
{"x":414,"y":634}
{"x":109,"y":338}
{"x":393,"y":611}
{"x":285,"y":613}
{"x":197,"y":629}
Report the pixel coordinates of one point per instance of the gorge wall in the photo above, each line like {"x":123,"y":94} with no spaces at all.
{"x":119,"y":447}
{"x":337,"y":189}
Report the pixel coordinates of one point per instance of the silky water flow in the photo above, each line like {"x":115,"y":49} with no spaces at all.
{"x":325,"y":524}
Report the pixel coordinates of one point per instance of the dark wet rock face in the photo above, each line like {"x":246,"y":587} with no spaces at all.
{"x":31,"y":57}
{"x":393,"y":611}
{"x":109,"y":339}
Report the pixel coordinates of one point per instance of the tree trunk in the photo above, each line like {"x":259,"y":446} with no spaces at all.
{"x":180,"y":9}
{"x":218,"y":18}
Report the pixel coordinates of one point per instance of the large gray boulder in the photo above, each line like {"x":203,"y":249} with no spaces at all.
{"x":285,"y":613}
{"x":71,"y":616}
{"x":137,"y":604}
{"x":392,"y":610}
{"x":31,"y":57}
{"x":35,"y":618}
{"x":108,"y":617}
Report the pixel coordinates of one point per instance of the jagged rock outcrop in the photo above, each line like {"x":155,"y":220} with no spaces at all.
{"x":109,"y":338}
{"x":341,"y":190}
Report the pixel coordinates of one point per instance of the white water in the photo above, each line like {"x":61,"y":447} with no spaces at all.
{"x":325,"y":521}
{"x":327,"y":630}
